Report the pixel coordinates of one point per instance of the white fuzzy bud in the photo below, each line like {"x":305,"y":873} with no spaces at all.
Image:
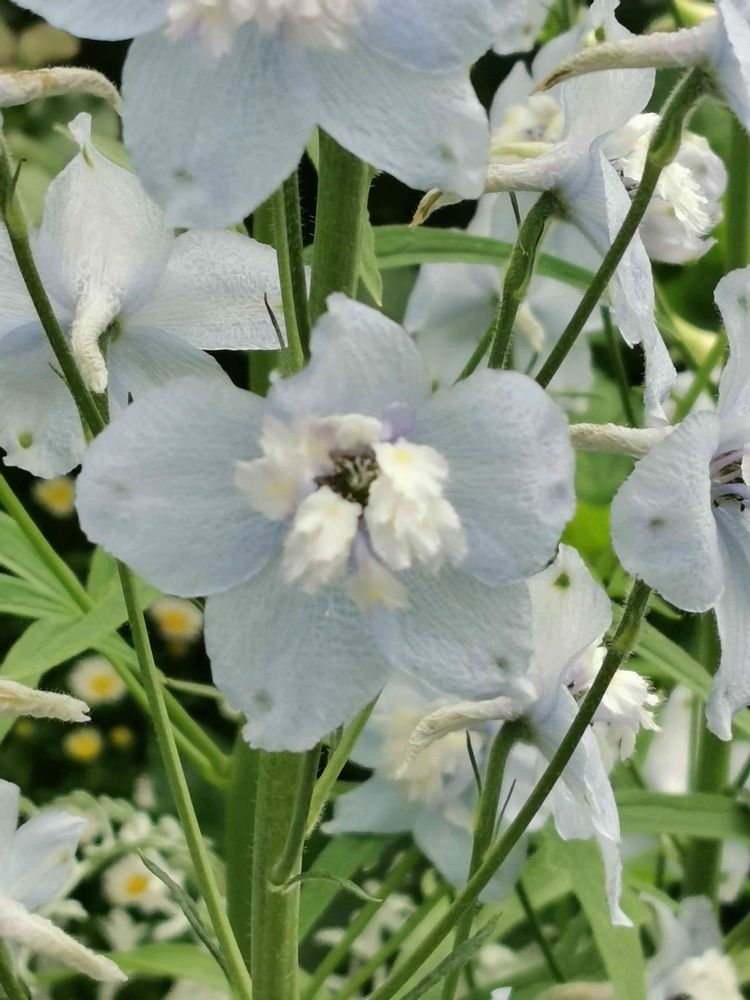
{"x":18,"y":700}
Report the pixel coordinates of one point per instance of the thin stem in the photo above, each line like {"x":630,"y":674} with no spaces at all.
{"x":620,"y":648}
{"x":262,"y":363}
{"x":401,"y":869}
{"x":296,"y":260}
{"x":240,"y":980}
{"x":239,"y":842}
{"x":292,"y":357}
{"x":484,"y":830}
{"x":738,"y":198}
{"x":343,"y":183}
{"x":701,"y":379}
{"x":615,"y":349}
{"x":518,"y":272}
{"x":8,"y":980}
{"x":742,"y":777}
{"x":295,"y":838}
{"x":335,"y":765}
{"x":661,"y":151}
{"x":536,"y":930}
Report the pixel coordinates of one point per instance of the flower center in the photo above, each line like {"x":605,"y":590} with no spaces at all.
{"x":527,"y":129}
{"x":728,"y":480}
{"x":352,"y":476}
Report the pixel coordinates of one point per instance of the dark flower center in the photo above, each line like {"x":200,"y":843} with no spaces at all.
{"x":352,"y":476}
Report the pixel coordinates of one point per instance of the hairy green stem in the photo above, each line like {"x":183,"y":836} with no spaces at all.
{"x":484,"y":831}
{"x":9,"y":983}
{"x":738,"y":199}
{"x":239,"y":843}
{"x":701,"y":379}
{"x":518,"y":273}
{"x":662,"y":149}
{"x":295,"y":838}
{"x":262,"y":363}
{"x":620,"y":647}
{"x":341,"y":951}
{"x":240,"y":980}
{"x":343,"y":183}
{"x":298,"y":275}
{"x":292,"y":357}
{"x":614,"y":343}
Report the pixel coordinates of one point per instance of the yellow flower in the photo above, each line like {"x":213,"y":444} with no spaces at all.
{"x":95,"y":681}
{"x":57,"y":496}
{"x":83,"y":745}
{"x":122,"y":737}
{"x":176,"y":619}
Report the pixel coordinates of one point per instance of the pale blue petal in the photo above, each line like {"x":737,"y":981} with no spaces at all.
{"x":41,"y":859}
{"x":595,"y":108}
{"x":297,"y":665}
{"x":663,"y":524}
{"x":515,"y":89}
{"x":375,"y":806}
{"x":525,"y":19}
{"x":213,"y":293}
{"x":732,"y":296}
{"x":10,"y":796}
{"x":731,"y":687}
{"x":157,"y":488}
{"x":212,"y":140}
{"x":434,"y":35}
{"x":141,"y":359}
{"x":18,"y":309}
{"x":427,"y":129}
{"x":102,"y":19}
{"x":40,"y":428}
{"x":511,"y":470}
{"x":732,"y":61}
{"x":457,"y":634}
{"x":361,"y":362}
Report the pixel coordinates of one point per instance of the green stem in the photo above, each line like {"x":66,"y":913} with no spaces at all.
{"x":275,"y":912}
{"x":335,"y":765}
{"x":262,"y":363}
{"x":614,"y":343}
{"x":662,"y":149}
{"x":536,"y":929}
{"x":738,"y":199}
{"x":338,"y":954}
{"x":8,"y":980}
{"x":240,"y":980}
{"x":298,"y":274}
{"x":238,"y":854}
{"x":484,"y":831}
{"x":702,"y":378}
{"x":343,"y":183}
{"x":711,"y":774}
{"x":518,"y":272}
{"x":292,"y":357}
{"x":620,"y":647}
{"x":295,"y":837}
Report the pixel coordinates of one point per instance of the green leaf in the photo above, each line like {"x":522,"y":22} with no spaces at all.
{"x":317,"y":874}
{"x":173,"y":961}
{"x":699,"y":814}
{"x":456,"y":960}
{"x":619,"y":947}
{"x":402,"y":246}
{"x":26,"y":599}
{"x":19,"y":557}
{"x":103,"y":575}
{"x":369,"y":271}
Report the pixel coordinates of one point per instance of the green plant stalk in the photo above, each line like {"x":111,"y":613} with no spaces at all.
{"x":343,"y":184}
{"x":334,"y":766}
{"x":8,"y":980}
{"x":400,"y":870}
{"x":619,"y":649}
{"x":298,"y":274}
{"x":536,"y":929}
{"x":292,"y":357}
{"x":614,"y":343}
{"x":738,"y":199}
{"x":275,"y":914}
{"x":484,"y":831}
{"x":701,"y":379}
{"x":518,"y":273}
{"x":711,"y":774}
{"x":262,"y":363}
{"x":238,"y":845}
{"x":287,"y":864}
{"x":662,"y":149}
{"x":240,"y":980}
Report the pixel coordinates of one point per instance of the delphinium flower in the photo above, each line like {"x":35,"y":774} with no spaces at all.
{"x":141,"y":305}
{"x":36,"y":862}
{"x":526,"y":20}
{"x":18,"y":700}
{"x":350,"y":523}
{"x":680,"y":523}
{"x":388,"y":80}
{"x":95,"y":679}
{"x":452,"y":305}
{"x":570,"y":614}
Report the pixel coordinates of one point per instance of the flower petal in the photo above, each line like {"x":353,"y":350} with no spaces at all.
{"x":10,"y":796}
{"x":296,"y":683}
{"x":427,"y":129}
{"x":157,"y":488}
{"x":214,"y":140}
{"x":457,"y":634}
{"x":362,"y":362}
{"x":375,"y":806}
{"x":511,"y":469}
{"x":731,"y":61}
{"x":18,"y":309}
{"x":663,"y":525}
{"x":102,"y":19}
{"x":213,"y":293}
{"x":731,"y":686}
{"x":732,"y":296}
{"x":40,"y":428}
{"x":41,"y":858}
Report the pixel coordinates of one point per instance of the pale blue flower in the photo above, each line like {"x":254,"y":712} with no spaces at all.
{"x":221,"y":98}
{"x":349,"y":522}
{"x":140,"y":305}
{"x":680,"y":522}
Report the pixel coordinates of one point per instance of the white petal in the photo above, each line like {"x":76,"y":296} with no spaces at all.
{"x":297,"y":683}
{"x":10,"y":796}
{"x":41,"y":858}
{"x":427,"y":129}
{"x":375,"y":806}
{"x":663,"y":525}
{"x":570,"y":612}
{"x":212,"y":293}
{"x":19,"y":700}
{"x":157,"y":488}
{"x":732,"y":296}
{"x":18,"y":309}
{"x":731,"y":686}
{"x":208,"y":168}
{"x":445,"y":844}
{"x":361,"y":362}
{"x":102,"y":19}
{"x":731,"y":60}
{"x":595,"y":107}
{"x":40,"y":428}
{"x":511,"y":465}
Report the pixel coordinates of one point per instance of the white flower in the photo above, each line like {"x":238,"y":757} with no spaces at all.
{"x":129,"y":882}
{"x":142,"y":306}
{"x":95,"y":680}
{"x":19,"y":700}
{"x":176,"y":619}
{"x":679,"y":521}
{"x":36,"y":861}
{"x":388,"y":79}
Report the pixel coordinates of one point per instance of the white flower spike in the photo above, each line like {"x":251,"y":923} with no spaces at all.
{"x":19,"y":700}
{"x":142,"y":306}
{"x":680,"y":520}
{"x":35,"y":863}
